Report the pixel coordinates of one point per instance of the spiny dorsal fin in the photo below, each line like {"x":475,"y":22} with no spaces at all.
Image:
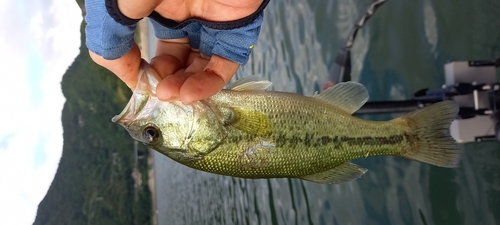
{"x":349,"y":96}
{"x":342,"y":173}
{"x":250,"y":83}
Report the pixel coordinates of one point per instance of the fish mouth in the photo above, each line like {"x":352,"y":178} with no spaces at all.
{"x":127,"y":114}
{"x":147,"y":81}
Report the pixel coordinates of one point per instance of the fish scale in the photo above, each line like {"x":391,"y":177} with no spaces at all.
{"x":245,"y":131}
{"x":287,"y":120}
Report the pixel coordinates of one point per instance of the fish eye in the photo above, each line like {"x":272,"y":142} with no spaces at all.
{"x":150,"y":133}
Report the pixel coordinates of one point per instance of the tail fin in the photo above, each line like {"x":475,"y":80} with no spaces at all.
{"x":433,"y":143}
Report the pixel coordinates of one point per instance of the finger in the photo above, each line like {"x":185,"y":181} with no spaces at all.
{"x":222,"y":67}
{"x":199,"y":86}
{"x":125,"y":67}
{"x":178,"y":47}
{"x":169,"y":88}
{"x":166,"y":65}
{"x":195,"y":53}
{"x":171,"y":56}
{"x":217,"y":73}
{"x":197,"y":64}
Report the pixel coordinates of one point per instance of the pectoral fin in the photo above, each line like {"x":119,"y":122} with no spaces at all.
{"x":251,"y":122}
{"x":344,"y":172}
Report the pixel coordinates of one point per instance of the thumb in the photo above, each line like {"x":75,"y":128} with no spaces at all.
{"x":125,"y":67}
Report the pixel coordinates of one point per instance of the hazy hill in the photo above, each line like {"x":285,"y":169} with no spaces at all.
{"x":94,"y":183}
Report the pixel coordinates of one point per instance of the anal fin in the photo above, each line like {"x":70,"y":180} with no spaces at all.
{"x":342,"y":173}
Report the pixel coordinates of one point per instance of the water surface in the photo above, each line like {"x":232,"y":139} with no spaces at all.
{"x":402,"y":49}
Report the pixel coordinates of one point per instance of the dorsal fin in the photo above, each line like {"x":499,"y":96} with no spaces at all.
{"x":250,"y":83}
{"x":349,"y":96}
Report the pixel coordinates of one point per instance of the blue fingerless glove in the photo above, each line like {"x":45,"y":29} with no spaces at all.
{"x":233,"y":44}
{"x":105,"y":36}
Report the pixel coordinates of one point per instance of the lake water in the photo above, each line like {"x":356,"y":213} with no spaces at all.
{"x":402,"y":49}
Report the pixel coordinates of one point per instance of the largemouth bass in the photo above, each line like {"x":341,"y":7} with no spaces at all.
{"x":248,"y":132}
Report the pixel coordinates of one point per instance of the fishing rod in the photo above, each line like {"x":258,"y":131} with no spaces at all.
{"x":472,"y":84}
{"x":341,"y":71}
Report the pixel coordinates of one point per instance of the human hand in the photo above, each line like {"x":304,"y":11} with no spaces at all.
{"x":187,"y":75}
